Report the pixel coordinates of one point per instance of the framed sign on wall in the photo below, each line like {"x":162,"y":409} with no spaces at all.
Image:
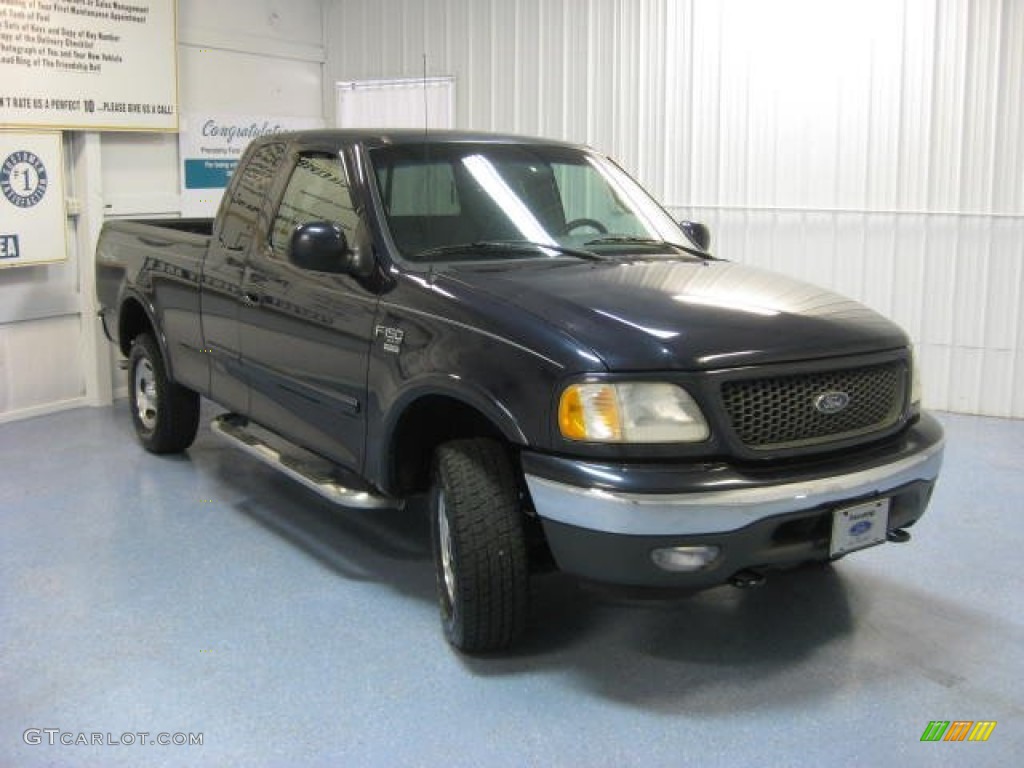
{"x":89,"y":64}
{"x":32,"y":212}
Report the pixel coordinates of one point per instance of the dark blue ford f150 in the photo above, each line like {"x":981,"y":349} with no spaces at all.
{"x":516,"y":328}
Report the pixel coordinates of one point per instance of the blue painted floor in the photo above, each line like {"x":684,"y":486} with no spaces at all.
{"x":207,"y":595}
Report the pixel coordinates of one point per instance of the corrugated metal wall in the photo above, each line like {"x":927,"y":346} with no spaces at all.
{"x":873,"y":146}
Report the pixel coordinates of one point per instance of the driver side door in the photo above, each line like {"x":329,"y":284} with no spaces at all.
{"x":306,"y":335}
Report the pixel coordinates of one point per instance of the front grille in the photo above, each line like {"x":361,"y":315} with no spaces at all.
{"x":779,"y":412}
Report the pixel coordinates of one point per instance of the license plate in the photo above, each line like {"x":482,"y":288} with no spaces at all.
{"x":859,"y":526}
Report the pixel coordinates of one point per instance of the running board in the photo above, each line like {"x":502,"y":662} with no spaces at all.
{"x":313,"y":472}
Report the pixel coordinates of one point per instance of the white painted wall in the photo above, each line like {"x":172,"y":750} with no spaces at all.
{"x":245,"y":56}
{"x":873,"y":146}
{"x":249,"y":56}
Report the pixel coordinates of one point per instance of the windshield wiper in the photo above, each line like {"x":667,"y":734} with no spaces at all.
{"x":633,"y":240}
{"x":526,"y":246}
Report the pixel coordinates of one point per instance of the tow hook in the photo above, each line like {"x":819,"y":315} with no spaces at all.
{"x":898,"y":536}
{"x":747,"y":579}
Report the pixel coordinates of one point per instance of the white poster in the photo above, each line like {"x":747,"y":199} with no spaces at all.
{"x":209,"y":146}
{"x":99,"y":64}
{"x":32,"y":216}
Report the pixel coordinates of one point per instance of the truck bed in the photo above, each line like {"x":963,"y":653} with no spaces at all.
{"x":164,"y":254}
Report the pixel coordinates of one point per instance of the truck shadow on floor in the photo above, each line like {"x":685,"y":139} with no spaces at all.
{"x":386,"y":546}
{"x":720,"y":649}
{"x":790,"y":617}
{"x":804,"y":637}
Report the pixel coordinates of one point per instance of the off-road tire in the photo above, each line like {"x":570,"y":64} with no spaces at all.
{"x":479,"y":545}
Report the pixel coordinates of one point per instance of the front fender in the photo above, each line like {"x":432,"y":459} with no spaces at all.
{"x":466,"y":392}
{"x":390,"y":452}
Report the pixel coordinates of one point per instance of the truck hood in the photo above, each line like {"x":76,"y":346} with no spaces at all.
{"x":685,"y":314}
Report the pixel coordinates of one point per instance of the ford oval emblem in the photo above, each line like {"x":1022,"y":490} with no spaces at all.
{"x":831,"y":402}
{"x":859,"y":529}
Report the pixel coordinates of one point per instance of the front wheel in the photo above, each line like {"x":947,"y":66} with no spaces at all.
{"x":165,"y":414}
{"x":479,"y":545}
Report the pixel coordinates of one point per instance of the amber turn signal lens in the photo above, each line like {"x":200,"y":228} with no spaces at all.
{"x":570,"y":415}
{"x":590,"y":412}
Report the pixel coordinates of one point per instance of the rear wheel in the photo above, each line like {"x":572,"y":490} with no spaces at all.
{"x":165,"y":414}
{"x":479,"y":545}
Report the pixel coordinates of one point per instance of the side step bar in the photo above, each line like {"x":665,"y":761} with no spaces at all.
{"x":314,"y":473}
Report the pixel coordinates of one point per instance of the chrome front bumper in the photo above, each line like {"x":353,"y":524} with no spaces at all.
{"x":709,"y":511}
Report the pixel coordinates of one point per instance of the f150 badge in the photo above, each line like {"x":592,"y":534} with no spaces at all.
{"x":392,"y":337}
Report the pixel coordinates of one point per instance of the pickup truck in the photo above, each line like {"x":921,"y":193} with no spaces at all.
{"x":515,"y":331}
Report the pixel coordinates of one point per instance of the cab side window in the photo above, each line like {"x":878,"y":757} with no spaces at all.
{"x":318,"y":190}
{"x":241,"y":211}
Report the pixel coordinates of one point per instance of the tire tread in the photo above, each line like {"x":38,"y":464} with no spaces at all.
{"x":488,"y":542}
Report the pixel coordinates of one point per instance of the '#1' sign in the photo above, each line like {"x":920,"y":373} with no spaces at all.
{"x":32,"y":229}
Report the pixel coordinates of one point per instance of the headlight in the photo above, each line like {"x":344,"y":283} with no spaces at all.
{"x":630,"y":412}
{"x":915,"y":379}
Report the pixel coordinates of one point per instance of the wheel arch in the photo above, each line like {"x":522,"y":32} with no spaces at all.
{"x":429,"y":417}
{"x":136,"y":316}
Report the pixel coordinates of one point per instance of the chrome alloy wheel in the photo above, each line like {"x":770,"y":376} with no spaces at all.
{"x":145,"y":393}
{"x":445,"y":537}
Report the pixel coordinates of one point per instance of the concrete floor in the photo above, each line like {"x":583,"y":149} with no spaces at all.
{"x":205,"y":594}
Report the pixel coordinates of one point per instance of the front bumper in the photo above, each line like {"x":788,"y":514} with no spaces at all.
{"x":603,"y":521}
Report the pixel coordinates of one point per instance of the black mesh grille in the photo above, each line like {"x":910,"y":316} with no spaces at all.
{"x":781,"y":412}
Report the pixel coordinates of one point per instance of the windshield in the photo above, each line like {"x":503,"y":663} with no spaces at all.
{"x":463,"y":200}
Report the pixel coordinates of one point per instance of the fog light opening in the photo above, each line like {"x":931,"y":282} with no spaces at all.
{"x":685,"y":559}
